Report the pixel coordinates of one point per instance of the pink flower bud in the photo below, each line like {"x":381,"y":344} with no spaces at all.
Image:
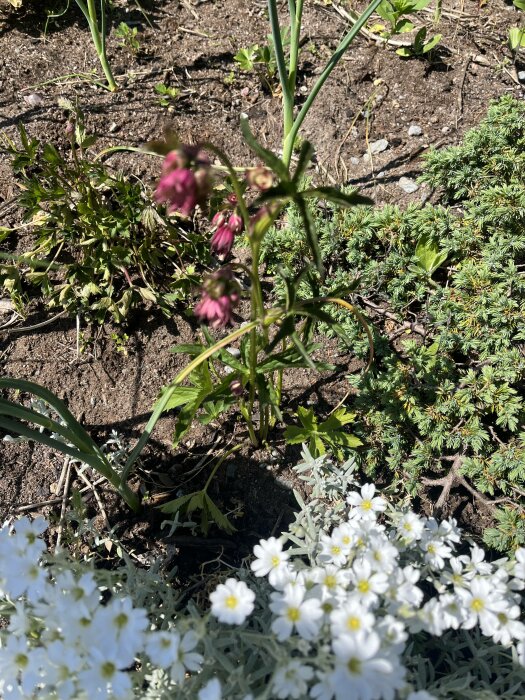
{"x":220,"y":295}
{"x":235,"y":223}
{"x":179,"y":189}
{"x":222,"y":240}
{"x":184,"y":181}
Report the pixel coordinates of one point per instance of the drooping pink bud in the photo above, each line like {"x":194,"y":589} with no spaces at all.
{"x":220,"y":295}
{"x":227,"y":228}
{"x":179,"y":189}
{"x":184,"y":181}
{"x":235,"y":223}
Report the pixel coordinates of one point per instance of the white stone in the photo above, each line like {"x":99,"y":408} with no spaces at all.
{"x":415,"y":130}
{"x":521,"y":76}
{"x":378,"y":146}
{"x":408,"y":185}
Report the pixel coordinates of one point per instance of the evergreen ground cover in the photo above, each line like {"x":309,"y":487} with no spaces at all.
{"x":444,"y":284}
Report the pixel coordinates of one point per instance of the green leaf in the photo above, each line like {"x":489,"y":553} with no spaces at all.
{"x":294,"y":435}
{"x":217,"y":516}
{"x":311,"y":235}
{"x":305,"y":156}
{"x":246,"y":58}
{"x":432,"y":43}
{"x":336,"y":420}
{"x":520,"y":4}
{"x":270,"y":159}
{"x":176,"y":504}
{"x":307,"y":418}
{"x":182,"y":395}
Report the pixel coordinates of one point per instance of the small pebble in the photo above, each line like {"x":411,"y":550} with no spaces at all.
{"x":354,"y":160}
{"x":521,"y":76}
{"x":408,"y":185}
{"x":34,"y":99}
{"x":445,"y":130}
{"x":381,"y":174}
{"x":378,"y":146}
{"x":414,"y":130}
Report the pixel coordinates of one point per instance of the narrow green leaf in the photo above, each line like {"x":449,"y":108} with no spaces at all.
{"x":332,"y":194}
{"x":270,"y":159}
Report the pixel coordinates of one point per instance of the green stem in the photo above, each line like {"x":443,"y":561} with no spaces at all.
{"x":288,"y":96}
{"x":98,"y":35}
{"x":219,"y":462}
{"x":296,"y":17}
{"x":332,"y":63}
{"x":161,"y":404}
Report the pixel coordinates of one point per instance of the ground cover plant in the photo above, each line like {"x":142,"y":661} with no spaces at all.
{"x":352,"y":604}
{"x":358,"y":596}
{"x":444,"y":407}
{"x":101,"y":246}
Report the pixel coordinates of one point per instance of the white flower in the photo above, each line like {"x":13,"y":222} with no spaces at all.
{"x":168,"y":650}
{"x":481,"y":605}
{"x":508,"y":626}
{"x":290,"y":681}
{"x":103,"y":678}
{"x":331,"y":578}
{"x":295,"y":613}
{"x":211,"y":691}
{"x":365,"y":505}
{"x":380,"y":554}
{"x":392,"y":632}
{"x":410,"y":527}
{"x":451,"y":610}
{"x":270,"y":559}
{"x":360,"y":673}
{"x":367,"y":584}
{"x":324,"y":689}
{"x":333,"y":550}
{"x":519,"y":566}
{"x":232,"y":602}
{"x":435,"y":552}
{"x":345,"y":535}
{"x":351,"y":618}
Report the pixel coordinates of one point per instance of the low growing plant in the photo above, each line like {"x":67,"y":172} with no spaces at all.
{"x":97,"y":245}
{"x":443,"y":403}
{"x":357,"y":599}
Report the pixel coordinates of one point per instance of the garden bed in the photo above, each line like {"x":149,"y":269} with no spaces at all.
{"x":425,"y":399}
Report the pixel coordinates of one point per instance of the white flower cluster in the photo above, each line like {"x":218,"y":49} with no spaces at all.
{"x":366,"y":590}
{"x":357,"y":611}
{"x":63,"y":641}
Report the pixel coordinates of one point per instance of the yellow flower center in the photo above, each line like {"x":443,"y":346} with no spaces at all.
{"x":431,"y":549}
{"x":330,"y":581}
{"x":477,"y":605}
{"x":353,"y":624}
{"x":363,"y":586}
{"x":354,"y":666}
{"x":121,"y":620}
{"x":367,"y":504}
{"x":335,"y":549}
{"x":275,"y":560}
{"x":21,"y":660}
{"x":108,"y":670}
{"x":293,"y":614}
{"x":231,"y":602}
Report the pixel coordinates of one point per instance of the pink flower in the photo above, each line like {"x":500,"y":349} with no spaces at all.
{"x":220,"y":295}
{"x":179,"y":188}
{"x":184,"y":181}
{"x":222,"y":240}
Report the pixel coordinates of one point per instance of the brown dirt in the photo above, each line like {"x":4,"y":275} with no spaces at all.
{"x":373,"y":94}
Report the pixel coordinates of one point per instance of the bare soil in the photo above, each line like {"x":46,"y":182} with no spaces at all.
{"x":373,"y":94}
